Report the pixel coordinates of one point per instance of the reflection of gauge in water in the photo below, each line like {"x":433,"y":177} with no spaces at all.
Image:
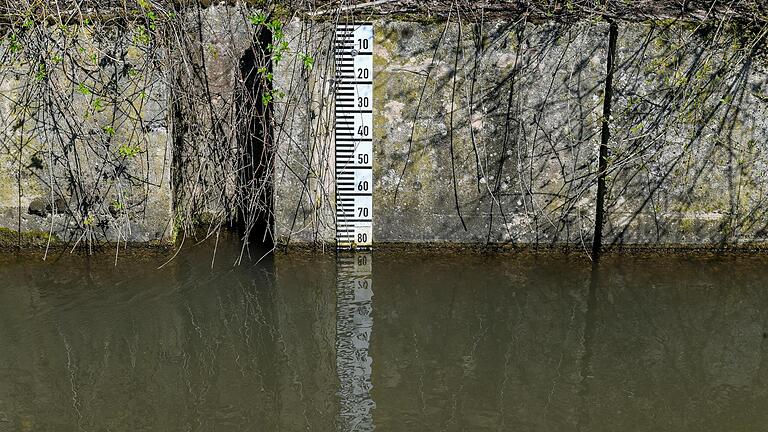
{"x":354,"y":325}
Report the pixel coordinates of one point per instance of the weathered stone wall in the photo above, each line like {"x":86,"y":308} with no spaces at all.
{"x":304,"y":153}
{"x":486,"y":134}
{"x":207,"y":151}
{"x":214,"y":40}
{"x":85,"y":149}
{"x":465,"y":110}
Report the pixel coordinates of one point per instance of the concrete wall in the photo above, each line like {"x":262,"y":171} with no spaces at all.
{"x":207,"y":61}
{"x":484,"y":133}
{"x":85,"y":149}
{"x":486,"y":136}
{"x":689,"y":151}
{"x":452,"y":113}
{"x":304,"y":152}
{"x":490,"y":134}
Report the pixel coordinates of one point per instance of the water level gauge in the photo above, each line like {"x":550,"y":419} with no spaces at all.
{"x":354,"y":135}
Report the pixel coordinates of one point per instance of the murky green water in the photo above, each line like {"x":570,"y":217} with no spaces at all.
{"x":413,"y":342}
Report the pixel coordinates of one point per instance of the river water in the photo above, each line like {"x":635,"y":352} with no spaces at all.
{"x":385,"y":341}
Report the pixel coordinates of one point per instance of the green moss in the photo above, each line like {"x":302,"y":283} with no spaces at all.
{"x":175,"y":231}
{"x":387,"y":41}
{"x":8,"y":186}
{"x":688,"y":225}
{"x":33,"y":238}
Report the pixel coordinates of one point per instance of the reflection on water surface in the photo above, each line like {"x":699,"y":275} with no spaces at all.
{"x":386,"y":342}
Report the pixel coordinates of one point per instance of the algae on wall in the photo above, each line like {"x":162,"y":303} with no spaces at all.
{"x":687,"y":164}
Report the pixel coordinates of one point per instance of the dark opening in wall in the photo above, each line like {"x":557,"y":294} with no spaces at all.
{"x":254,"y":139}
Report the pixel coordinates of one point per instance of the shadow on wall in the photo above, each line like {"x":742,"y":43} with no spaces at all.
{"x":254,"y":139}
{"x":687,"y":161}
{"x":490,"y":132}
{"x":224,"y":144}
{"x":499,"y":125}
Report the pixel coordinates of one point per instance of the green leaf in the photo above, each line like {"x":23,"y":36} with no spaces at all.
{"x":258,"y":19}
{"x":308,"y":61}
{"x":129,"y":150}
{"x":41,"y":72}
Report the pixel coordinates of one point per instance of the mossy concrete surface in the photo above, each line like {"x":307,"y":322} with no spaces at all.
{"x":486,"y":134}
{"x":688,"y":162}
{"x":481,"y":134}
{"x":206,"y":152}
{"x":85,"y":153}
{"x":304,"y":185}
{"x":489,"y":134}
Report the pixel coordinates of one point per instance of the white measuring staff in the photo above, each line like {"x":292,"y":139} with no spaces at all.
{"x":354,"y":135}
